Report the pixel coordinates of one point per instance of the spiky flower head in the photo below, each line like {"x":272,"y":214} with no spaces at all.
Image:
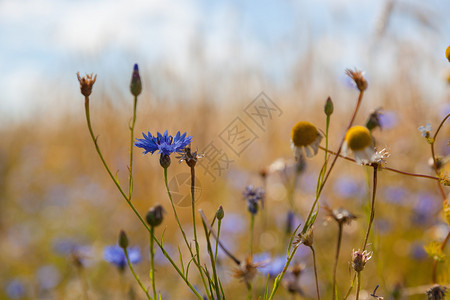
{"x":358,"y":78}
{"x":163,"y":143}
{"x":253,"y":196}
{"x":359,"y":140}
{"x":86,"y":83}
{"x":305,"y":138}
{"x":189,"y":157}
{"x":359,"y":259}
{"x":135,"y":84}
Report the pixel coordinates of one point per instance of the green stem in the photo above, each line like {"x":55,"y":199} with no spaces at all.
{"x":193,"y":213}
{"x":358,"y":285}
{"x":134,"y":274}
{"x":130,"y":176}
{"x":252,"y":225}
{"x":219,"y":222}
{"x":97,"y":148}
{"x":372,"y":207}
{"x":386,"y":168}
{"x":315,"y":272}
{"x":184,"y":235}
{"x":281,"y":275}
{"x":441,"y":189}
{"x":213,"y":264}
{"x":152,"y":262}
{"x":336,"y":258}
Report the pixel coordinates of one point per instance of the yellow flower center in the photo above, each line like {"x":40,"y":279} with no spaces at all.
{"x":303,"y":133}
{"x":358,"y":138}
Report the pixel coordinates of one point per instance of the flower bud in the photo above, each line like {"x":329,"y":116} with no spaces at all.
{"x":220,"y":213}
{"x":123,"y":239}
{"x":164,"y":161}
{"x":329,"y":107}
{"x":154,"y":216}
{"x":135,"y":85}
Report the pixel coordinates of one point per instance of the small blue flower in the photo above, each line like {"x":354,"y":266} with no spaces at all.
{"x":271,"y":267}
{"x":253,"y":196}
{"x":164,"y":143}
{"x":48,"y":277}
{"x":15,"y":289}
{"x":116,"y":256}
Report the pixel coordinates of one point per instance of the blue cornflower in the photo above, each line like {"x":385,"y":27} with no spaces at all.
{"x":253,"y":196}
{"x":164,"y":143}
{"x":116,"y":256}
{"x":15,"y":289}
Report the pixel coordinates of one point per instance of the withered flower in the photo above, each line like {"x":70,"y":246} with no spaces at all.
{"x":358,"y":78}
{"x":86,"y":83}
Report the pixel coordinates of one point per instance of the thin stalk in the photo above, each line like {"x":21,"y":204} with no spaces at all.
{"x":358,"y":285}
{"x":250,"y":288}
{"x":130,"y":176}
{"x":83,"y":282}
{"x":336,"y":258}
{"x":219,"y":222}
{"x":281,"y":275}
{"x":152,"y":262}
{"x":252,"y":225}
{"x":193,"y":213}
{"x":97,"y":148}
{"x":315,"y":271}
{"x":372,"y":206}
{"x":134,"y":274}
{"x":441,"y":189}
{"x":435,"y":262}
{"x":386,"y":168}
{"x":184,"y":235}
{"x":213,"y":265}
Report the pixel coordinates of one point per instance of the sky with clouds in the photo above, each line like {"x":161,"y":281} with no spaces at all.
{"x":45,"y":42}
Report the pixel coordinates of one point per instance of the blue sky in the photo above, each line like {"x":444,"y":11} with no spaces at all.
{"x":45,"y":42}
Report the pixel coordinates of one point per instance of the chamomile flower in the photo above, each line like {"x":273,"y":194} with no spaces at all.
{"x":359,"y":140}
{"x":305,"y":138}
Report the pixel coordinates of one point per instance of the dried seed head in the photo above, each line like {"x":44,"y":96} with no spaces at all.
{"x":307,"y":238}
{"x":86,"y":83}
{"x":358,"y":79}
{"x":190,"y":158}
{"x":246,"y":271}
{"x":340,"y":215}
{"x":436,"y":292}
{"x":359,"y":259}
